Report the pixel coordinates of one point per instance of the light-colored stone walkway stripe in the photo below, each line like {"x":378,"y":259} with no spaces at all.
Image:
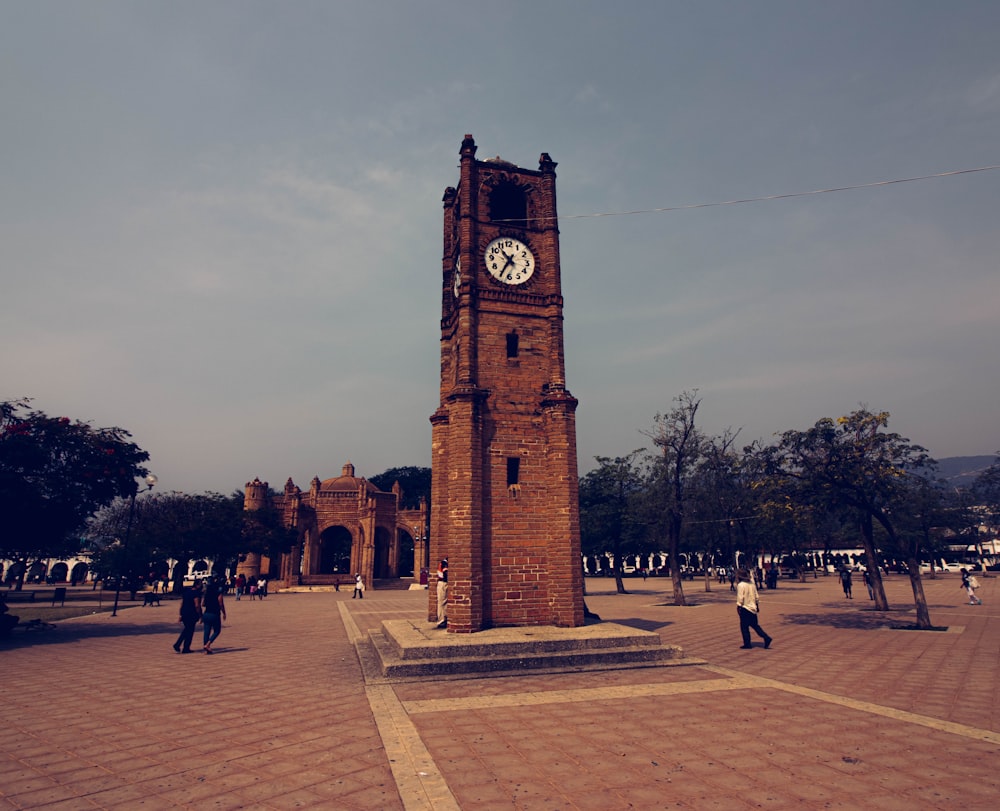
{"x":353,"y":633}
{"x":734,"y":681}
{"x":569,"y":696}
{"x":419,"y":782}
{"x":975,"y":733}
{"x":418,"y":779}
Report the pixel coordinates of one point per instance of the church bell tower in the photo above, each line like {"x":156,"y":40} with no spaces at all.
{"x":505,"y":507}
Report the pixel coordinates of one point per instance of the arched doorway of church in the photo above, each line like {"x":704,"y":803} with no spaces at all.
{"x":383,"y":561}
{"x":405,"y":554}
{"x":58,"y":573}
{"x":334,"y":551}
{"x":79,"y":573}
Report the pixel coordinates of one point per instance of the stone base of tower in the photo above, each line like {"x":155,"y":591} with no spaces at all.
{"x":406,"y":649}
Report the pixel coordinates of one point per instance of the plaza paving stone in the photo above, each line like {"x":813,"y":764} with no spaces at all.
{"x":843,"y":712}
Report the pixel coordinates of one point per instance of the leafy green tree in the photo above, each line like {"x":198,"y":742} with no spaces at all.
{"x":184,"y":527}
{"x":415,"y":481}
{"x":976,"y":506}
{"x":985,"y":492}
{"x":105,"y":536}
{"x":922,"y":519}
{"x":263,"y":531}
{"x":788,"y":516}
{"x":607,"y":509}
{"x":54,"y":474}
{"x":853,"y":462}
{"x":681,"y":446}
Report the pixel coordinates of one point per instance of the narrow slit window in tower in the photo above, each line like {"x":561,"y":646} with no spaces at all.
{"x":513,"y":471}
{"x":512,"y":345}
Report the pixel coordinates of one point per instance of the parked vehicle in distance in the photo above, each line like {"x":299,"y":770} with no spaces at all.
{"x":941,"y":566}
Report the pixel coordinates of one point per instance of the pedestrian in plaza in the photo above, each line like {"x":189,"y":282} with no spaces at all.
{"x":359,"y":587}
{"x":869,"y":585}
{"x":262,"y":588}
{"x":970,"y":584}
{"x":748,"y":607}
{"x":442,"y":587}
{"x":190,"y":613}
{"x":845,"y":581}
{"x":213,"y":612}
{"x":241,"y":584}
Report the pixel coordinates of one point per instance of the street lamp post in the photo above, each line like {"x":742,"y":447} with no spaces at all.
{"x":419,"y":553}
{"x":151,"y":481}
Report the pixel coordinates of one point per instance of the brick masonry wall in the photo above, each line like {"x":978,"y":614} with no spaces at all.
{"x":514,"y":551}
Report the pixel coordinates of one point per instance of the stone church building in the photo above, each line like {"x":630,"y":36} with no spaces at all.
{"x":344,"y":525}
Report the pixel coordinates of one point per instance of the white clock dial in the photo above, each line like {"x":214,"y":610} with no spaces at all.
{"x":458,"y":277}
{"x":509,"y":260}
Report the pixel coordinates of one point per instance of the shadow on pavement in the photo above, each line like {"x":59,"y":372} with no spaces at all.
{"x":866,"y":621}
{"x":61,"y":633}
{"x":643,"y":625}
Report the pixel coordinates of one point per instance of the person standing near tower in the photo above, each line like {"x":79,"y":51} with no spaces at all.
{"x":442,"y":588}
{"x":748,"y":606}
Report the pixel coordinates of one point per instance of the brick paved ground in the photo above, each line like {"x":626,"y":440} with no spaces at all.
{"x":839,"y":713}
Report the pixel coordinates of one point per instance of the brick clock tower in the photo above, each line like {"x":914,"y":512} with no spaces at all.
{"x":505,"y":508}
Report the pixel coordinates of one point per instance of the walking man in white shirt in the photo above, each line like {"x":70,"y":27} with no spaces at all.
{"x":748,"y":606}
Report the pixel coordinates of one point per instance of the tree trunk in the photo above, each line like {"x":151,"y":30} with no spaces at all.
{"x":708,"y":574}
{"x":19,"y":581}
{"x":923,"y":615}
{"x":874,"y":571}
{"x":180,"y":569}
{"x":619,"y":583}
{"x":675,"y":561}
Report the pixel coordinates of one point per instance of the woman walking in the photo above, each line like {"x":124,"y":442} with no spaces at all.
{"x":213,"y":612}
{"x":970,"y":584}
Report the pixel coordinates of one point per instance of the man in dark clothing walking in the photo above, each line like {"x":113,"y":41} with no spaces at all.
{"x":190,"y":613}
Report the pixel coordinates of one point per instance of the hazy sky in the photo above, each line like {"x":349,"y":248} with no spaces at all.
{"x":221,"y":221}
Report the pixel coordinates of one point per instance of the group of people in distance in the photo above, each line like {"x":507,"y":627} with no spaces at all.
{"x":254,"y":586}
{"x":205,"y":603}
{"x":969,"y":583}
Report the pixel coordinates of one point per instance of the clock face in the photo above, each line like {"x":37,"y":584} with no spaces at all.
{"x":458,"y":277}
{"x":509,"y":260}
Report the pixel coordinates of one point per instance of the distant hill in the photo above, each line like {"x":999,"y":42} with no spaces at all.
{"x":961,"y":471}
